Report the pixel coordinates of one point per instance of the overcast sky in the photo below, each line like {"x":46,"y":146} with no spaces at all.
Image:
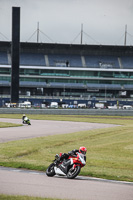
{"x":60,"y":21}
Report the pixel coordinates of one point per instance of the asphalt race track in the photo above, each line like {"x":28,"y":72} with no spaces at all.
{"x":33,"y":183}
{"x":41,"y":128}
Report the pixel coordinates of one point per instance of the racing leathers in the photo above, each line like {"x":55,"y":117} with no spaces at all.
{"x":72,"y":153}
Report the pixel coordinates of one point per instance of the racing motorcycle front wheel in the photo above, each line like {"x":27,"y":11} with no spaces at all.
{"x":50,"y":171}
{"x":72,"y":173}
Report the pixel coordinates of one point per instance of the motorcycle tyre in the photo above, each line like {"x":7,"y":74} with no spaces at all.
{"x":49,"y":172}
{"x":75,"y":173}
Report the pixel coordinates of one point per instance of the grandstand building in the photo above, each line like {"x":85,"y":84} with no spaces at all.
{"x":64,"y":72}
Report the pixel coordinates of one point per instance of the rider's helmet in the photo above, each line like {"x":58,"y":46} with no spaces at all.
{"x":82,"y":150}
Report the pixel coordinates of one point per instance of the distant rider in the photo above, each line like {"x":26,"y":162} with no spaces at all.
{"x":23,"y":118}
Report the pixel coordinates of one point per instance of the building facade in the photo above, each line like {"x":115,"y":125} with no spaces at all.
{"x":65,"y":71}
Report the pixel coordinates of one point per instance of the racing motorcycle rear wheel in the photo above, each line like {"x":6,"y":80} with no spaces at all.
{"x":72,"y":173}
{"x":50,"y":171}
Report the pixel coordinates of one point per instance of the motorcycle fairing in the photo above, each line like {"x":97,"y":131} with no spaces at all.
{"x":81,"y":156}
{"x":71,"y":160}
{"x":58,"y":171}
{"x":62,"y":168}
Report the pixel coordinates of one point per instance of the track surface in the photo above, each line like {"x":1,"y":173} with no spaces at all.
{"x":41,"y":128}
{"x":32,"y":183}
{"x":24,"y":182}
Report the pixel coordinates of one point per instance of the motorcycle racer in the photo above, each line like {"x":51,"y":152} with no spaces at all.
{"x":74,"y":152}
{"x":25,"y":120}
{"x":68,"y":164}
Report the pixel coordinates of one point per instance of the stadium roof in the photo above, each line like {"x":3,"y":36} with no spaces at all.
{"x":50,"y":48}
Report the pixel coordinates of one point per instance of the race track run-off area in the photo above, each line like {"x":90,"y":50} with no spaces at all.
{"x":33,"y":183}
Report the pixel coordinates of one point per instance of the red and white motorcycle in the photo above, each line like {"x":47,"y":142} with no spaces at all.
{"x":70,"y":167}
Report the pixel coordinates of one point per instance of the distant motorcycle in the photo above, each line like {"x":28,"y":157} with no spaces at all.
{"x":26,"y":121}
{"x":70,"y":167}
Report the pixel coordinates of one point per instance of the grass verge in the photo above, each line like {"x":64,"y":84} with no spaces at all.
{"x":6,"y":125}
{"x":110,"y":150}
{"x":14,"y":197}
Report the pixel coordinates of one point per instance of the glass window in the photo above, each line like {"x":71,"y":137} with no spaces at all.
{"x":5,"y":71}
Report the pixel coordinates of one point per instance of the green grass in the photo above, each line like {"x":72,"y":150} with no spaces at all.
{"x":6,"y":125}
{"x":14,"y":197}
{"x":110,"y":150}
